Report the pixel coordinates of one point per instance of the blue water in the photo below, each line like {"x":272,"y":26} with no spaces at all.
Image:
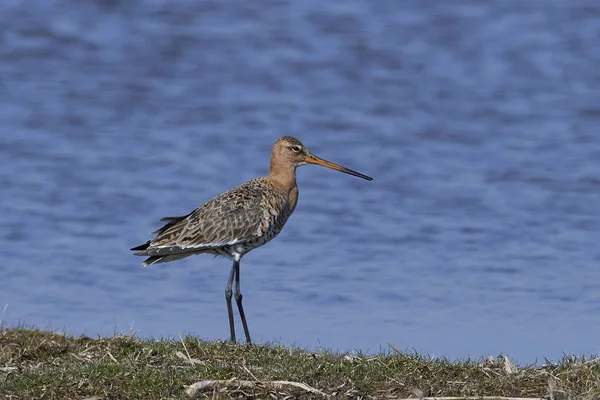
{"x":479,"y":122}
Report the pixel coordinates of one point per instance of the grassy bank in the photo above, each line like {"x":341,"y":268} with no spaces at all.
{"x":39,"y":364}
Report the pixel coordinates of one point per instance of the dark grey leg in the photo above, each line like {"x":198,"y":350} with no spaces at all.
{"x":238,"y":300}
{"x":228,"y":294}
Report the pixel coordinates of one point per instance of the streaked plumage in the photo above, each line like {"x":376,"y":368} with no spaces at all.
{"x":239,"y":220}
{"x":236,"y":221}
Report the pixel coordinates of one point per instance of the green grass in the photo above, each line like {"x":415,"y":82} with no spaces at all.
{"x":38,"y":364}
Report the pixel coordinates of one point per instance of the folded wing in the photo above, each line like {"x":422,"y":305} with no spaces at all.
{"x":232,"y":217}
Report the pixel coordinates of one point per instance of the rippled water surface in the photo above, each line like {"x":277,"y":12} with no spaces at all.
{"x":479,"y":122}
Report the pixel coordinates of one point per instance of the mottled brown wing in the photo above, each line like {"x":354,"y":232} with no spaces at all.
{"x":232,"y":217}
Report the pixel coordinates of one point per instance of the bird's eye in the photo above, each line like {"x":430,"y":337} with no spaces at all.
{"x":295,"y":148}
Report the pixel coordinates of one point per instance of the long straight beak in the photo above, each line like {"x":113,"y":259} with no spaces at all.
{"x":312,"y":159}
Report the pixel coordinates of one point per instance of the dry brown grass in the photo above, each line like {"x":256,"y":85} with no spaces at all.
{"x":38,"y":364}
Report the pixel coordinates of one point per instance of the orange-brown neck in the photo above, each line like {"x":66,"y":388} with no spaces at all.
{"x":282,"y":174}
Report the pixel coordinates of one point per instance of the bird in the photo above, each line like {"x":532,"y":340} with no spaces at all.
{"x":238,"y":220}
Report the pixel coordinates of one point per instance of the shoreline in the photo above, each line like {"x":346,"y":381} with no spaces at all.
{"x":36,"y":363}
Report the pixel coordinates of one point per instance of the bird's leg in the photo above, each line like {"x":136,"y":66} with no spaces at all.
{"x":228,"y":294}
{"x":238,"y":300}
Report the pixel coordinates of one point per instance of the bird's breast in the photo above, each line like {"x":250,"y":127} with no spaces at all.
{"x":276,"y":211}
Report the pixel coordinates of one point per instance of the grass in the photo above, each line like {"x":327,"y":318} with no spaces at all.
{"x":37,"y":364}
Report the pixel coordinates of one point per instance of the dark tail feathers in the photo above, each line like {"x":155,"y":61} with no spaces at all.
{"x":141,"y":246}
{"x":170,"y":221}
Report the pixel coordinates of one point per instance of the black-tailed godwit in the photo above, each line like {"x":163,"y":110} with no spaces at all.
{"x":239,"y":220}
